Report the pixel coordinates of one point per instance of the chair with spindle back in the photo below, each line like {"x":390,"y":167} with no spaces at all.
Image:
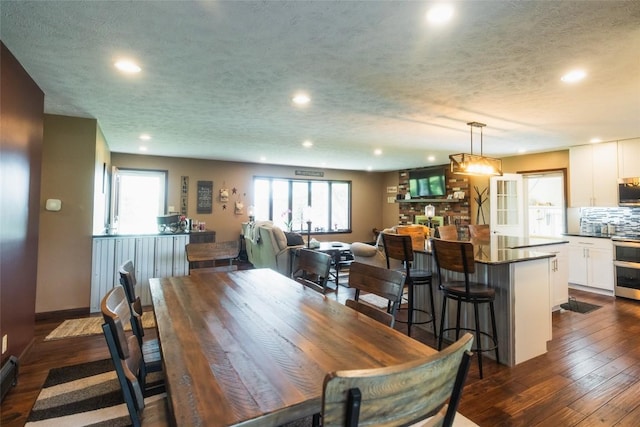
{"x":398,"y":395}
{"x":400,"y":247}
{"x":129,"y":365}
{"x":311,"y":268}
{"x":382,"y":282}
{"x":458,"y":257}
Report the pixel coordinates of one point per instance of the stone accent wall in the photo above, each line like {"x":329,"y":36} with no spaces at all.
{"x":453,"y":211}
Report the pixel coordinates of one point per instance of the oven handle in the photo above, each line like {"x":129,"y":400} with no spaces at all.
{"x":627,"y":264}
{"x":622,"y":244}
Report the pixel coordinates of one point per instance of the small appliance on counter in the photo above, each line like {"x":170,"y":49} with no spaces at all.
{"x":169,"y":223}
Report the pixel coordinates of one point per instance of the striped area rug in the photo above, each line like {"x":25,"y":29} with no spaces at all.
{"x":91,"y":326}
{"x":87,"y":394}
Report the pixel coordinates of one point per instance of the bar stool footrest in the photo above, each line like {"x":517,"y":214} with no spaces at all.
{"x":473,"y":331}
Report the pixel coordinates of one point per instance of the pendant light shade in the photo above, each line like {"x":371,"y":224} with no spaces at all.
{"x":473,"y":164}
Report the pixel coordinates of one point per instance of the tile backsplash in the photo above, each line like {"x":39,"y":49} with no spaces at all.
{"x":626,"y":220}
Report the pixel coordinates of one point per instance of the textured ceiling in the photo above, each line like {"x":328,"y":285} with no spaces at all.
{"x":218,"y":77}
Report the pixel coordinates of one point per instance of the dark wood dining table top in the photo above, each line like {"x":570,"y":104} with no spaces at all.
{"x":252,"y":347}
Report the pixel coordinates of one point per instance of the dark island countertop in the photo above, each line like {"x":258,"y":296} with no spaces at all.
{"x":594,"y":235}
{"x":501,"y":249}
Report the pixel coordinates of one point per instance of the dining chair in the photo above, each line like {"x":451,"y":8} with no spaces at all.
{"x":311,"y":268}
{"x":150,"y":347}
{"x":447,"y":232}
{"x":382,"y":282}
{"x":458,"y":257}
{"x":129,"y":365}
{"x":399,"y":247}
{"x":479,"y":231}
{"x":398,"y":395}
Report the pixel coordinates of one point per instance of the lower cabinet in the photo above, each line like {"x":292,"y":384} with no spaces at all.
{"x":152,"y":256}
{"x":559,"y":274}
{"x":591,"y":263}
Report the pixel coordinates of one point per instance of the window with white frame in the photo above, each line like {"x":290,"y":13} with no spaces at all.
{"x":138,"y":198}
{"x":290,"y":203}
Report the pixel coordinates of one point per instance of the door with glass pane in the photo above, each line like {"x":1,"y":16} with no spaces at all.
{"x":506,"y":208}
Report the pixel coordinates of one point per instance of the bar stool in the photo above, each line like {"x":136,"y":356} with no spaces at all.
{"x":457,"y":256}
{"x":399,"y":247}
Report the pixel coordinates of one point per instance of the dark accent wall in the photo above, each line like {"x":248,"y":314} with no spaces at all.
{"x":21,"y":133}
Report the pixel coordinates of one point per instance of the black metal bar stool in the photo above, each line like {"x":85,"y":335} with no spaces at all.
{"x":399,"y":247}
{"x":457,"y":256}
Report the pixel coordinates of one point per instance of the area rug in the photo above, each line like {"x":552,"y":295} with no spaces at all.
{"x":91,"y":326}
{"x":83,"y":395}
{"x":579,"y":306}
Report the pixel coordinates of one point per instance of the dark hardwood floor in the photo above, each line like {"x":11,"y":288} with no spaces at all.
{"x":589,"y":376}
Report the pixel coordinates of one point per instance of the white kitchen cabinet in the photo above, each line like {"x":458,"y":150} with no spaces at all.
{"x":559,"y":274}
{"x":594,"y":175}
{"x":591,"y":263}
{"x":152,"y":256}
{"x":629,"y":158}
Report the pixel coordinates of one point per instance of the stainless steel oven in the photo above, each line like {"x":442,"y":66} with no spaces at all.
{"x":626,"y":266}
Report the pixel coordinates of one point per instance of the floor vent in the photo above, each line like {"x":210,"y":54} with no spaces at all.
{"x":9,"y":375}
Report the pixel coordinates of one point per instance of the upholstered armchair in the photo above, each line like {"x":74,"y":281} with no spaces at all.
{"x":374,"y":254}
{"x":267,"y":246}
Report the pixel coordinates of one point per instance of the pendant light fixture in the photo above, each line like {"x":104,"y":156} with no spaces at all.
{"x":472,"y":164}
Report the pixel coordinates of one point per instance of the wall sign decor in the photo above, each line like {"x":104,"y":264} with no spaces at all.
{"x":309,"y":173}
{"x":184,"y":194}
{"x":205,"y":197}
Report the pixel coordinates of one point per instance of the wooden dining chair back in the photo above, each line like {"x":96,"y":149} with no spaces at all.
{"x":150,"y":347}
{"x":401,"y":394}
{"x":448,"y":232}
{"x":127,"y":356}
{"x":479,"y":231}
{"x":311,"y":268}
{"x":385,"y":283}
{"x":458,"y":257}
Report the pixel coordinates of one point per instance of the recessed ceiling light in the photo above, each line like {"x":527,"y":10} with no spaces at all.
{"x":595,"y":140}
{"x":263,"y":159}
{"x":431,"y":158}
{"x":301,"y":99}
{"x":439,"y":14}
{"x":574,"y":76}
{"x":307,"y":143}
{"x":377,"y":152}
{"x":145,"y":137}
{"x":127,"y":66}
{"x":522,"y":150}
{"x":143,"y":148}
{"x":369,"y":168}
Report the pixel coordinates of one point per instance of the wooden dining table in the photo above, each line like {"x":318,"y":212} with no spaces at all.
{"x":252,"y":347}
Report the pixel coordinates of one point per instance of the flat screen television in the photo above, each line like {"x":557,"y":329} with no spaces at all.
{"x":427,"y":183}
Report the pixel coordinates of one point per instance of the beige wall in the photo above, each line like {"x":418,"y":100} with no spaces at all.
{"x":367,"y":190}
{"x":101,"y":184}
{"x":390,"y":211}
{"x":64,"y":253}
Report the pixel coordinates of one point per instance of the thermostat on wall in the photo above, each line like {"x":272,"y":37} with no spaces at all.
{"x":53,"y":205}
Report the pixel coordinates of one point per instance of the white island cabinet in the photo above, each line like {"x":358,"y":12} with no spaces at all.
{"x":591,"y":264}
{"x":152,"y":256}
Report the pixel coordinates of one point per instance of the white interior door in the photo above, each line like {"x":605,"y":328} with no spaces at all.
{"x":507,"y":205}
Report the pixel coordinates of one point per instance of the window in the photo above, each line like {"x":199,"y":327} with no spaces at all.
{"x":286,"y":202}
{"x":138,"y":198}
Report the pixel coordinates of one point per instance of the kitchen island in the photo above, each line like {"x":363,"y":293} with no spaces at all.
{"x":521,"y":271}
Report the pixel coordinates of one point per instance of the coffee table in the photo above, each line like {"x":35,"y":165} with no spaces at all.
{"x":341,"y":256}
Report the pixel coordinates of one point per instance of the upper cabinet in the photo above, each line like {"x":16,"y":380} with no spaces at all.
{"x":629,"y":158}
{"x":594,"y":175}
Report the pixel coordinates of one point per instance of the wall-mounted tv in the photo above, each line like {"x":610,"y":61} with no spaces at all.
{"x":427,"y":183}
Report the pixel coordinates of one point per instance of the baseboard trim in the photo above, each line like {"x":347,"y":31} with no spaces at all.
{"x":63,"y":314}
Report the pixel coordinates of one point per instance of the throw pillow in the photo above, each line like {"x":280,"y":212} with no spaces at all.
{"x":294,"y":239}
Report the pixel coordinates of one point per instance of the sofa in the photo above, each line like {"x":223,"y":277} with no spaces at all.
{"x":374,"y":254}
{"x":268,"y":246}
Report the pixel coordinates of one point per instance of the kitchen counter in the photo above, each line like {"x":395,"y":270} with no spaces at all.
{"x":157,"y":234}
{"x":501,"y":249}
{"x":596,"y":235}
{"x":521,"y":271}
